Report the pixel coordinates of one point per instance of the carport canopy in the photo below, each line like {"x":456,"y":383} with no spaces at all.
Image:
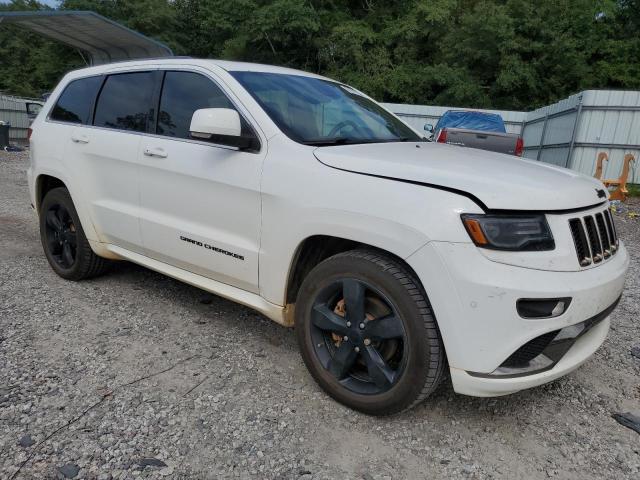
{"x":102,"y":39}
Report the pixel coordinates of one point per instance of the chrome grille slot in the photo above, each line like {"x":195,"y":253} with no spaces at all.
{"x":594,"y":241}
{"x":580,"y":241}
{"x":594,"y":237}
{"x":612,"y":229}
{"x":604,"y":235}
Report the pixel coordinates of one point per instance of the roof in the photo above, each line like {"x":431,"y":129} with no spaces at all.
{"x":102,"y":39}
{"x":233,"y":66}
{"x":226,"y":65}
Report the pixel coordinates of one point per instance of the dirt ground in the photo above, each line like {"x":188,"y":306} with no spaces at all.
{"x":135,"y":375}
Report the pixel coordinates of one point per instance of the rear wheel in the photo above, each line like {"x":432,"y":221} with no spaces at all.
{"x":367,"y":334}
{"x":65,"y":244}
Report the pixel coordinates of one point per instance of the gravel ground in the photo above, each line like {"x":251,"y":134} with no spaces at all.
{"x":135,"y":375}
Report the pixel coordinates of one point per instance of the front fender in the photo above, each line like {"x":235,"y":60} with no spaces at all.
{"x":301,"y":198}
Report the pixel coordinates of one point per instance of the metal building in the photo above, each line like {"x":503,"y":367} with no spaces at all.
{"x":569,"y":133}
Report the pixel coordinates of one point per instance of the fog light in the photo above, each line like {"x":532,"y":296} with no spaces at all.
{"x":542,"y":307}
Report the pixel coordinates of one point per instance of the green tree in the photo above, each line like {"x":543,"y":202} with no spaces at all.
{"x":510,"y":54}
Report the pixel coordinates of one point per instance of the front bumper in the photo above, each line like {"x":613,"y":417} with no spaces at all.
{"x":468,"y":384}
{"x":474,"y":301}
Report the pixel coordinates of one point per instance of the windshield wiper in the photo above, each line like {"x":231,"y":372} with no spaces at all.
{"x":324,"y":142}
{"x":408,"y":139}
{"x":321,"y":142}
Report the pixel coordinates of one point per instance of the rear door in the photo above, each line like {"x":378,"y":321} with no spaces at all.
{"x":105,"y":154}
{"x":200,"y":202}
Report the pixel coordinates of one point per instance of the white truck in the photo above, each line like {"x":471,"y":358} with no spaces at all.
{"x":396,"y":260}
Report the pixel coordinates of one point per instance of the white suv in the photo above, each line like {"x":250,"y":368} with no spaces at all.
{"x":396,"y":259}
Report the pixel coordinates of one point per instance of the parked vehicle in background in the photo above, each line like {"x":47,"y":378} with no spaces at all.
{"x":17,"y":113}
{"x":485,"y":131}
{"x":396,"y":259}
{"x":33,"y":109}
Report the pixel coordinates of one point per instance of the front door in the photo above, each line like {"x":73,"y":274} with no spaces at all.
{"x":200,"y":202}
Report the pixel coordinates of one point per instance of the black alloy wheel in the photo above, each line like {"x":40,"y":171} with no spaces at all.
{"x":63,"y":240}
{"x":61,"y":235}
{"x":367,"y":334}
{"x":358,"y":336}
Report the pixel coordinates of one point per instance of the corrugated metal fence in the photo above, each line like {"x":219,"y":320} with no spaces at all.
{"x":569,"y":133}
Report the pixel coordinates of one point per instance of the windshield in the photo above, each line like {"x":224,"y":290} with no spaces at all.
{"x":320,"y":112}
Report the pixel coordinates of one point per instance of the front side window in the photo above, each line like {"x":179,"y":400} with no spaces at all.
{"x":182,"y":94}
{"x":75,"y":103}
{"x":319,"y":112}
{"x":125,"y":101}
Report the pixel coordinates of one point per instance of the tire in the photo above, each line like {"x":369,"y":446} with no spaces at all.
{"x":63,"y":240}
{"x":414,"y":365}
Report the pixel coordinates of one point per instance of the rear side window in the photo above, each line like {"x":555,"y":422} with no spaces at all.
{"x":125,"y":101}
{"x":74,"y":105}
{"x":182,"y":94}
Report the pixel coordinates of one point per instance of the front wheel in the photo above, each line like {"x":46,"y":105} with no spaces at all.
{"x":367,"y":334}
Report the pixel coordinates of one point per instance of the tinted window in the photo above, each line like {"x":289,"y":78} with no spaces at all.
{"x":74,"y":105}
{"x":125,"y":101}
{"x":182,"y":94}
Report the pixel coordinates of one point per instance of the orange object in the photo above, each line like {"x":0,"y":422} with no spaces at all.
{"x":621,"y":192}
{"x":474,"y":229}
{"x":602,"y":157}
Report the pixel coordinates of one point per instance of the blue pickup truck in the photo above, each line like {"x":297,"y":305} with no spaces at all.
{"x":481,"y":130}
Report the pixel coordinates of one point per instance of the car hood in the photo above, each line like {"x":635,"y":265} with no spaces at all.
{"x":498,"y":181}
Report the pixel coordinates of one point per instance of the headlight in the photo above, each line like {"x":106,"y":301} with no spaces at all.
{"x":509,"y":232}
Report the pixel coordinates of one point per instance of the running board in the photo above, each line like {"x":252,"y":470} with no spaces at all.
{"x":251,"y":300}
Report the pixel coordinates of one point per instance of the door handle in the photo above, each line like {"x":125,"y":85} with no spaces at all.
{"x":155,"y":152}
{"x":79,"y":138}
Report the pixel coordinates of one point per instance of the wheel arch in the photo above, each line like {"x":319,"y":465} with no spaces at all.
{"x":46,"y":181}
{"x":313,"y":250}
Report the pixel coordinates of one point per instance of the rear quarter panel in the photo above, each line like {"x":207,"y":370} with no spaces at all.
{"x":47,"y":157}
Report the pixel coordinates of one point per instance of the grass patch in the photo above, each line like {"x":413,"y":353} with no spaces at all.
{"x":634,"y":189}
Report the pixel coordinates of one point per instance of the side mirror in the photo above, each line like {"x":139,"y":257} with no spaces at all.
{"x":33,"y":109}
{"x":207,"y":123}
{"x":222,"y":126}
{"x":428,"y":127}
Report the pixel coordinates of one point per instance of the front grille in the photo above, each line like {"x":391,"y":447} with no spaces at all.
{"x":594,"y":237}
